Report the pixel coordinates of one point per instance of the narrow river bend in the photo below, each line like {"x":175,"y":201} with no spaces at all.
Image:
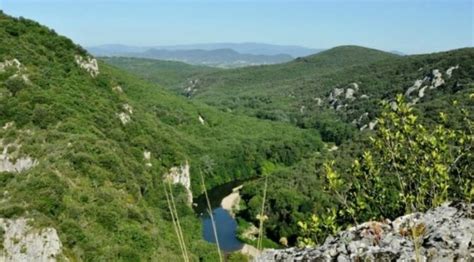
{"x":225,"y":223}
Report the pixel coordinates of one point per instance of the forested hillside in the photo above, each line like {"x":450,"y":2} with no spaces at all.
{"x":338,"y":92}
{"x":85,"y":148}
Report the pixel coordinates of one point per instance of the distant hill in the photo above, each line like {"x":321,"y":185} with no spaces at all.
{"x":223,"y":58}
{"x":251,"y":48}
{"x":166,"y":73}
{"x":243,"y":48}
{"x":309,"y":89}
{"x":224,"y":55}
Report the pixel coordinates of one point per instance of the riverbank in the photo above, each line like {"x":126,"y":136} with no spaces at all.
{"x":250,"y":251}
{"x":231,"y":201}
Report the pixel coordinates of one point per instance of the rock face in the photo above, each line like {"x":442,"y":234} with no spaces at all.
{"x":125,"y":116}
{"x":181,"y":175}
{"x":10,"y":63}
{"x":89,"y":64}
{"x":446,"y":234}
{"x":10,"y":162}
{"x":21,"y":242}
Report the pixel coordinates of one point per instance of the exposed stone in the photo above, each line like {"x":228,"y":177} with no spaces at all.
{"x":147,"y":157}
{"x":124,"y":117}
{"x":181,"y":175}
{"x":20,"y":69}
{"x":437,"y":79}
{"x":355,"y":86}
{"x":128,"y":108}
{"x":318,"y":101}
{"x":7,"y":125}
{"x":11,"y":162}
{"x":373,"y":124}
{"x":336,"y":92}
{"x":191,"y":87}
{"x":421,"y":92}
{"x":350,"y":93}
{"x":450,"y":70}
{"x":447,"y":234}
{"x":89,"y":64}
{"x":10,"y":63}
{"x":302,"y":109}
{"x":364,"y":96}
{"x":414,"y":87}
{"x":201,"y":120}
{"x":117,"y":89}
{"x":21,"y":242}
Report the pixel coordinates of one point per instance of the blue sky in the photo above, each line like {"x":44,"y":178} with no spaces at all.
{"x":410,"y":26}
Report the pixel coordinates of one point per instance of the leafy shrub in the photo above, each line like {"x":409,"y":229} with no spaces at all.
{"x":409,"y":167}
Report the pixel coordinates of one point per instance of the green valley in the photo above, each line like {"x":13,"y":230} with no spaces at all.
{"x":127,"y":159}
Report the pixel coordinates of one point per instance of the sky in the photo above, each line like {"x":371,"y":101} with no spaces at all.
{"x":409,"y":26}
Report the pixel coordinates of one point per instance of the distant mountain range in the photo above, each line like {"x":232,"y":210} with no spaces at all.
{"x":223,"y":55}
{"x":217,"y":55}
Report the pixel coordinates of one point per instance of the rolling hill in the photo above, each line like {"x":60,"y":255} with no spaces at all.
{"x":220,"y":58}
{"x":345,"y":83}
{"x":339,"y":93}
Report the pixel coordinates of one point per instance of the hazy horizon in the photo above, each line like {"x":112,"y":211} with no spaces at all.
{"x":410,"y":27}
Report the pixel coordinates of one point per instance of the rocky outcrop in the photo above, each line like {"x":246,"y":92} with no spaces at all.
{"x":20,"y":70}
{"x":89,"y":64}
{"x":201,"y":120}
{"x":125,"y":116}
{"x":117,"y":89}
{"x":449,"y":71}
{"x":10,"y":161}
{"x":432,"y":81}
{"x":10,"y":63}
{"x":21,"y":242}
{"x":445,"y":233}
{"x":147,"y":158}
{"x":181,"y":175}
{"x":191,"y":88}
{"x":339,"y":98}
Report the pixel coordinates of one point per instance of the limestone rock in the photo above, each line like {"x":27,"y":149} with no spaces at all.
{"x":89,"y":64}
{"x":11,"y":162}
{"x":124,"y":117}
{"x":449,"y":71}
{"x":448,"y":235}
{"x":21,"y":242}
{"x":201,"y":120}
{"x":10,"y":63}
{"x":117,"y":89}
{"x":147,"y":157}
{"x":181,"y":175}
{"x":437,"y":79}
{"x":318,"y":101}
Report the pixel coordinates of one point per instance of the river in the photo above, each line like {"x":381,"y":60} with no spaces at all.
{"x":225,"y":223}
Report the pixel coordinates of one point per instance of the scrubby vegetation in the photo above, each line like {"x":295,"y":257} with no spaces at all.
{"x":88,"y":130}
{"x":92,"y":182}
{"x":290,"y":93}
